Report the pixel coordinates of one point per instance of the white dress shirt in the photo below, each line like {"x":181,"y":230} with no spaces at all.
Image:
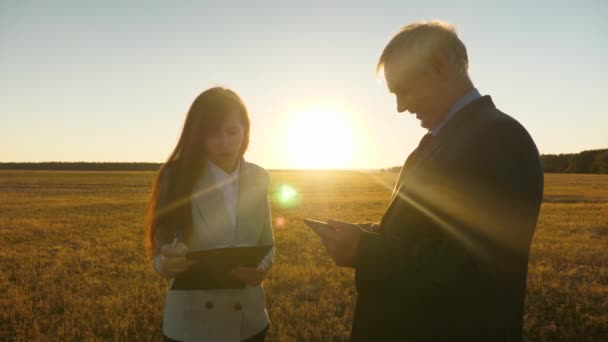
{"x":229,"y":183}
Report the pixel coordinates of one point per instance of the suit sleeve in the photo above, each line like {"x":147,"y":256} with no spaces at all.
{"x":267,"y":237}
{"x":459,"y":227}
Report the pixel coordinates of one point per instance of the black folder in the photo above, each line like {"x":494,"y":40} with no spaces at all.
{"x":214,"y":267}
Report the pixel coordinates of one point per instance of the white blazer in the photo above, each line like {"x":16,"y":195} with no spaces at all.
{"x":228,"y":314}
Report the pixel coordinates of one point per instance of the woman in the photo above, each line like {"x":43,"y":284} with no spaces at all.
{"x":207,"y":196}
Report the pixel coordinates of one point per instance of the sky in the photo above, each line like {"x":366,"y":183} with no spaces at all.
{"x":113,"y":80}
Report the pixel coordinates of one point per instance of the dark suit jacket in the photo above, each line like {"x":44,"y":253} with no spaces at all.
{"x":450,"y":259}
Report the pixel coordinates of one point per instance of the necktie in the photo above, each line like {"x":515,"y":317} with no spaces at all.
{"x":422,"y":145}
{"x":424,"y":142}
{"x":412,"y":158}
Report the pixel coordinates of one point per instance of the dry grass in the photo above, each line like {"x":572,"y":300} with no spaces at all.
{"x":72,"y":265}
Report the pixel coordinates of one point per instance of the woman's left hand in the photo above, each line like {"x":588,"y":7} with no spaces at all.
{"x":249,"y":275}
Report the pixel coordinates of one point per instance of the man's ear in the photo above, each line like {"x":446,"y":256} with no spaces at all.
{"x":439,"y":64}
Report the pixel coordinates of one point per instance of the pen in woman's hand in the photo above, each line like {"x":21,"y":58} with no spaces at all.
{"x":176,"y":238}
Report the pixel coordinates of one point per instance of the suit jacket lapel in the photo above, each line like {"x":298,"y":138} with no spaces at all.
{"x":460,"y":120}
{"x":246,"y":197}
{"x":413,"y":162}
{"x":244,"y":184}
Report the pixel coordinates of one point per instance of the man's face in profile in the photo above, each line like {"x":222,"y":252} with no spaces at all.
{"x":417,"y":88}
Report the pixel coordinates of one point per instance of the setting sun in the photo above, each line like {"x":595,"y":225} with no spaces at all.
{"x":319,"y":137}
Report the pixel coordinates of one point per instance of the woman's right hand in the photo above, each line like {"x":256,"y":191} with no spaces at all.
{"x":172,"y":260}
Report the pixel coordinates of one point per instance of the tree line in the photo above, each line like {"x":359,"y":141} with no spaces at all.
{"x":592,"y":161}
{"x":81,"y":166}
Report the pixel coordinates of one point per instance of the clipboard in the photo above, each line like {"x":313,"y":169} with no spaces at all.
{"x":214,"y":267}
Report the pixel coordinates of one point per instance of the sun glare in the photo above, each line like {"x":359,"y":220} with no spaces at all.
{"x":320,"y":138}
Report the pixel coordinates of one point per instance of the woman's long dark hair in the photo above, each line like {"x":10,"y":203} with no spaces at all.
{"x":206,"y":115}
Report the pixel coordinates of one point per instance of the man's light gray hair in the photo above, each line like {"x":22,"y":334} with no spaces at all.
{"x":417,"y":43}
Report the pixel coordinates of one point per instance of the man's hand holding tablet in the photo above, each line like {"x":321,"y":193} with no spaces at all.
{"x":340,"y":238}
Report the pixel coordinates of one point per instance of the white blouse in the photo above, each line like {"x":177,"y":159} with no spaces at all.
{"x":229,"y":186}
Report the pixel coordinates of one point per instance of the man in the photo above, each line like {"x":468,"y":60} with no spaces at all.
{"x":449,"y":259}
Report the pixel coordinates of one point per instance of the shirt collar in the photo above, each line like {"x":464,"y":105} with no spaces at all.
{"x":469,"y":97}
{"x":219,"y":174}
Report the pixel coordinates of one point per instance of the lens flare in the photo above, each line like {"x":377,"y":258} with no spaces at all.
{"x":286,"y":196}
{"x":280,"y":222}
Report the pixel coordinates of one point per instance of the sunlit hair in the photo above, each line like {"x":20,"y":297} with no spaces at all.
{"x":424,"y":40}
{"x":205,"y":117}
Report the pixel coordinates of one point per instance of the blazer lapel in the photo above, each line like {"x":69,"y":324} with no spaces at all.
{"x":459,"y":122}
{"x":246,"y":198}
{"x":412,"y":163}
{"x":241,"y":206}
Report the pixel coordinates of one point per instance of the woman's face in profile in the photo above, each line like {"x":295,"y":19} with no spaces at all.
{"x":223,"y":146}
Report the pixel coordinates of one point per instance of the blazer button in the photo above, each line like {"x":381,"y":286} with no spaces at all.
{"x":238,"y":307}
{"x":209,"y":305}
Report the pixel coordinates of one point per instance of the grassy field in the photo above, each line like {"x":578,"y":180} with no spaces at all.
{"x":72,"y":265}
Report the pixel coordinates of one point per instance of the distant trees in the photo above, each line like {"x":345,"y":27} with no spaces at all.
{"x":592,"y":161}
{"x":81,"y":166}
{"x":600,"y":164}
{"x":392,"y":169}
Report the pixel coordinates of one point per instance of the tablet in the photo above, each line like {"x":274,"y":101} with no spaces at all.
{"x":315,"y":225}
{"x":213,"y":269}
